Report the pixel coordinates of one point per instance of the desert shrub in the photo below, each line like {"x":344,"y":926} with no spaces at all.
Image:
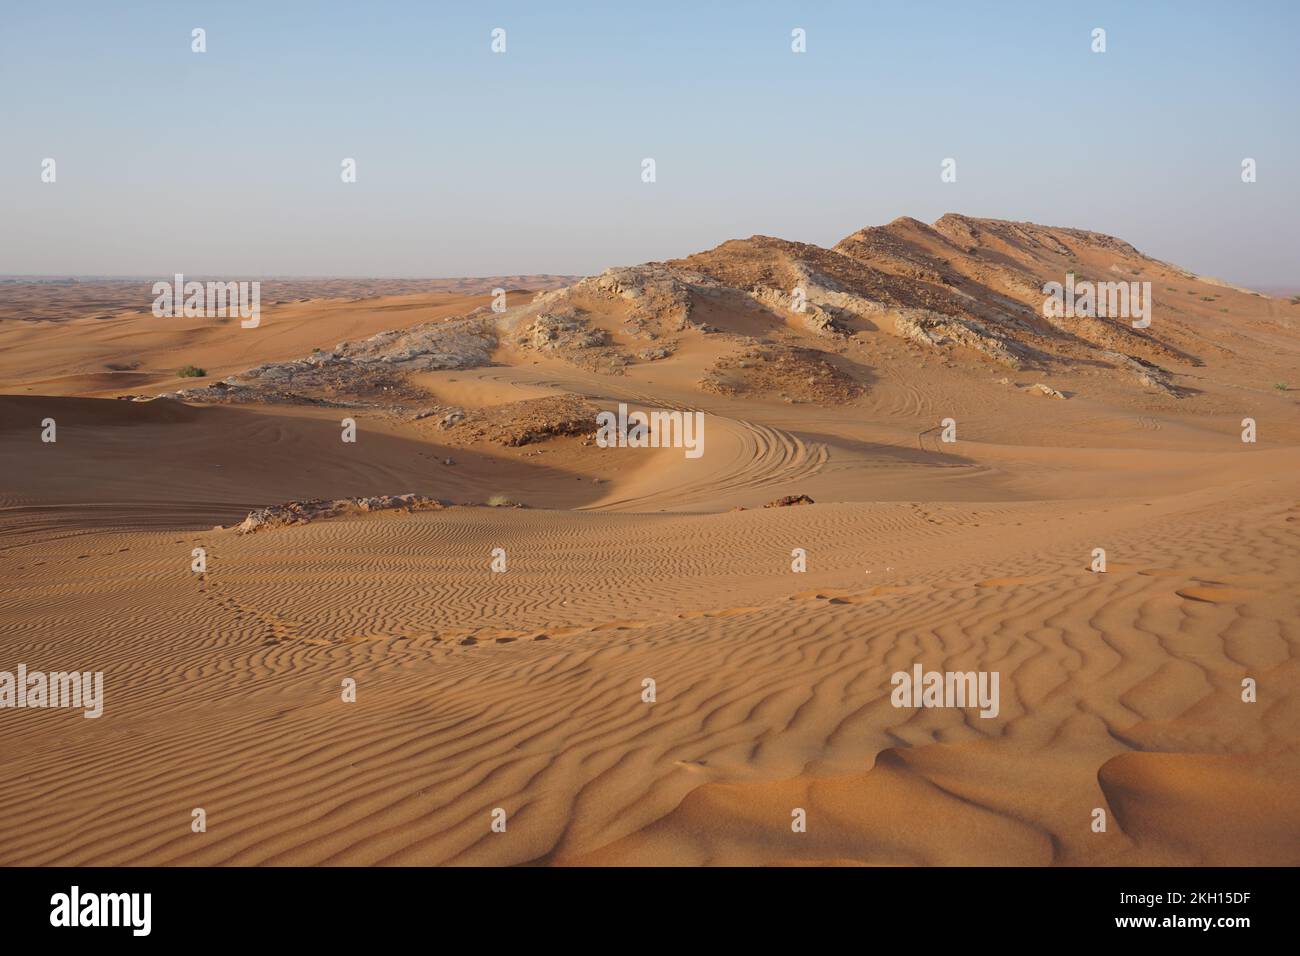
{"x":192,"y":371}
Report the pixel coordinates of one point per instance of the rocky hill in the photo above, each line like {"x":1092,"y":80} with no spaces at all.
{"x":808,"y":323}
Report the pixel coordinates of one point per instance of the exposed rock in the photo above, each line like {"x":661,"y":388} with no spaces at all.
{"x":789,"y":372}
{"x":815,"y":318}
{"x":658,"y":292}
{"x":1147,"y":373}
{"x":302,"y":512}
{"x":457,"y":344}
{"x":550,"y":331}
{"x":357,"y":373}
{"x":790,"y":500}
{"x":935,"y":331}
{"x":526,"y":422}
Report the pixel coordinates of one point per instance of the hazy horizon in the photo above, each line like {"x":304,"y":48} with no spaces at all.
{"x":474,"y":163}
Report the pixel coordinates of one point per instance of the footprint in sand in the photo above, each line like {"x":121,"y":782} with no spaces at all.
{"x":1112,"y":568}
{"x":693,"y":766}
{"x":1210,"y":593}
{"x":728,"y":612}
{"x":854,"y":597}
{"x":619,"y":625}
{"x":881,"y":590}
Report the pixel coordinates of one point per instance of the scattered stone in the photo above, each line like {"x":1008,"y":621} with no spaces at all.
{"x":302,"y":512}
{"x":790,"y":500}
{"x":1046,"y":390}
{"x":792,"y":374}
{"x":526,"y":422}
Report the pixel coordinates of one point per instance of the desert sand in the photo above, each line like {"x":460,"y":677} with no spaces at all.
{"x":522,"y":690}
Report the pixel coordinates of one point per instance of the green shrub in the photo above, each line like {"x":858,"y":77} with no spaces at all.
{"x":192,"y":371}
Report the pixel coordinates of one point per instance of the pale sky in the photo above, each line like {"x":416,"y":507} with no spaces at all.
{"x":469,"y":162}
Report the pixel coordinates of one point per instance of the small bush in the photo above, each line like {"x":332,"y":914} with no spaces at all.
{"x":192,"y":371}
{"x":1281,"y":386}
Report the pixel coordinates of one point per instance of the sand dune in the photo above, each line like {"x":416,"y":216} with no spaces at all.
{"x":523,"y":690}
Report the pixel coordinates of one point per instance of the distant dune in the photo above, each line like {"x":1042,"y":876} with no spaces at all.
{"x":825,"y":372}
{"x":64,"y":298}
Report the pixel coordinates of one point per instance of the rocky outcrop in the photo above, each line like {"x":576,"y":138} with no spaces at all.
{"x":781,"y":371}
{"x":936,"y":331}
{"x":366,"y":372}
{"x":656,"y":291}
{"x":1046,"y":390}
{"x":561,"y":330}
{"x":302,"y":512}
{"x":789,"y":501}
{"x":1148,"y":374}
{"x":525,"y":422}
{"x":458,"y":344}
